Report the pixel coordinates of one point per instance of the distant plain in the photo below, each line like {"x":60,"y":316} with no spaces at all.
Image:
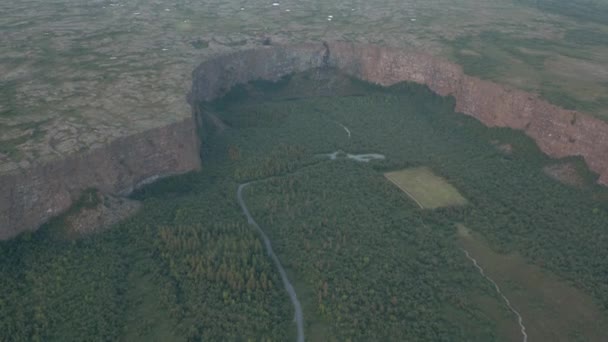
{"x":75,"y":75}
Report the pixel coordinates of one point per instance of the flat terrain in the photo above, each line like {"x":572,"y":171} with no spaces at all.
{"x":425,"y":188}
{"x":539,"y":296}
{"x":77,"y":74}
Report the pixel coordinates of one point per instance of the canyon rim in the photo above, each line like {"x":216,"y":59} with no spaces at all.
{"x":33,"y":195}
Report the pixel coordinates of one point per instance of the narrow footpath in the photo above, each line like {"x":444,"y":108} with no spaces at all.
{"x":520,"y":320}
{"x":299,"y":317}
{"x":482,"y":272}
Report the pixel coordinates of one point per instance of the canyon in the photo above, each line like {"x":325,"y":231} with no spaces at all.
{"x":32,"y":196}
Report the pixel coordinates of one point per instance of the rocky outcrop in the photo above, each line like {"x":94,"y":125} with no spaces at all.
{"x":31,"y":197}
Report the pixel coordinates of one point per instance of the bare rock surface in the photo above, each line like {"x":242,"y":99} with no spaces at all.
{"x":558,"y":132}
{"x":108,"y":211}
{"x":85,"y":86}
{"x":40,"y":192}
{"x":75,"y":75}
{"x":34,"y":195}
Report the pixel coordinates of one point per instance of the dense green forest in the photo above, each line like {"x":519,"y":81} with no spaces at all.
{"x":366,"y":262}
{"x":186,"y":267}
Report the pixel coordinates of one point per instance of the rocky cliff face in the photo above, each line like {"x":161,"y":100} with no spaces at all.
{"x":30,"y":198}
{"x":558,"y":132}
{"x":214,"y":78}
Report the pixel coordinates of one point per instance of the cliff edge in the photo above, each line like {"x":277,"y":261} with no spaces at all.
{"x":31,"y":197}
{"x":558,"y":132}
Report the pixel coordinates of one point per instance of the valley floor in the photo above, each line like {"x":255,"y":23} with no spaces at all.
{"x":330,"y":239}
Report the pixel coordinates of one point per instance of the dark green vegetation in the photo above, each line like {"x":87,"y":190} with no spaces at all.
{"x":367,"y":264}
{"x":187,"y":267}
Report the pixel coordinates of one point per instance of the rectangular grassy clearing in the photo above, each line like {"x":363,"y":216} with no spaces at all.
{"x":425,"y":188}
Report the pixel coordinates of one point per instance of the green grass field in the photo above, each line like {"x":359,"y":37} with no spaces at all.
{"x":428,"y":190}
{"x":539,"y":296}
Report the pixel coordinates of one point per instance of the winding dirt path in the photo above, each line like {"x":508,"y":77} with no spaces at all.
{"x":345,"y":128}
{"x":338,"y":123}
{"x":299,"y":317}
{"x":519,"y":318}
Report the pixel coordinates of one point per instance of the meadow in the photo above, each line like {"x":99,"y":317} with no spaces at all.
{"x":425,"y":188}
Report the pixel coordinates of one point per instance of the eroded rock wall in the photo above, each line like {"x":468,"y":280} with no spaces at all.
{"x":558,"y":132}
{"x":215,"y":77}
{"x":31,"y":197}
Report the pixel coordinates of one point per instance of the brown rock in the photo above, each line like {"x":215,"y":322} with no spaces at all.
{"x":106,"y":211}
{"x":30,"y":197}
{"x":558,"y":132}
{"x":565,"y":173}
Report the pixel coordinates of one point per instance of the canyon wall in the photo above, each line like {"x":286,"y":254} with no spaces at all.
{"x":31,"y":197}
{"x":214,"y":78}
{"x":558,"y":132}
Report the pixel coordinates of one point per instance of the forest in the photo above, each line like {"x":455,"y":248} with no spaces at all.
{"x":366,"y":262}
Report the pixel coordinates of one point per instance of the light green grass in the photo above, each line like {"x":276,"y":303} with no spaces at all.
{"x":539,"y":296}
{"x":425,"y":188}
